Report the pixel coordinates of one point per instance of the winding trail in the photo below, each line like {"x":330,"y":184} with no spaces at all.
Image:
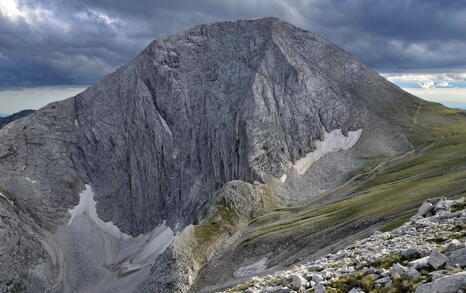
{"x":373,"y":170}
{"x":378,"y":166}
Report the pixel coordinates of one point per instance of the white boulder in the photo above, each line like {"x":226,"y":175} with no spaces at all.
{"x":296,"y":282}
{"x":448,"y":284}
{"x":458,"y":257}
{"x":424,"y":209}
{"x":436,"y":259}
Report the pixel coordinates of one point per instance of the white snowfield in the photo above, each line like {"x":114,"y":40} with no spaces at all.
{"x":86,"y":206}
{"x":333,"y":141}
{"x":146,"y":247}
{"x":139,"y":251}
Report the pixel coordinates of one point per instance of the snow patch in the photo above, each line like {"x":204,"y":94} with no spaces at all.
{"x":283,"y":178}
{"x":146,"y":247}
{"x":255,"y":268}
{"x":30,"y":180}
{"x":86,"y":206}
{"x":138,"y":252}
{"x":165,"y":126}
{"x":333,"y":141}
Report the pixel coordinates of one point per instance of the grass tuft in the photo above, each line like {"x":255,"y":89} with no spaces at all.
{"x":387,"y":261}
{"x":397,"y":223}
{"x":241,"y":287}
{"x":459,"y":207}
{"x":275,"y":282}
{"x":357,"y":280}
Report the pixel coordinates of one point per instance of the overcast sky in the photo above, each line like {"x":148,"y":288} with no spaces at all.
{"x":58,"y":45}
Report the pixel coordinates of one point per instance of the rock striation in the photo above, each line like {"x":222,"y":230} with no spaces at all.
{"x":227,"y":101}
{"x":220,"y":102}
{"x":139,"y":182}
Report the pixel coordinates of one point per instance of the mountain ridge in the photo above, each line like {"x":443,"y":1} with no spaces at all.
{"x":4,"y":120}
{"x":200,"y":137}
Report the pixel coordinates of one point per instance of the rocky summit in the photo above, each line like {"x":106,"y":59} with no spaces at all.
{"x":222,"y":152}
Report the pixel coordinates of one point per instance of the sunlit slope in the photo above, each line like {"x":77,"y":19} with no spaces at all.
{"x":383,"y":195}
{"x":436,"y":167}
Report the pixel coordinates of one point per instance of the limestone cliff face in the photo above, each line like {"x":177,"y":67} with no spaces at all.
{"x":232,"y":100}
{"x":243,"y":100}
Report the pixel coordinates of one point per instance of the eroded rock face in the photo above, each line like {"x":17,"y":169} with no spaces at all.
{"x":221,"y":102}
{"x":40,"y":163}
{"x":17,"y":236}
{"x":155,"y":140}
{"x":232,"y":100}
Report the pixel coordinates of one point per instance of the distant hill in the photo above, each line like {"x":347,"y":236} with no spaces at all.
{"x":5,"y":120}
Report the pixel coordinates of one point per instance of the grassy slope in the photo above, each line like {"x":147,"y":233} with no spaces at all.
{"x":229,"y":216}
{"x":386,"y":194}
{"x":392,"y":193}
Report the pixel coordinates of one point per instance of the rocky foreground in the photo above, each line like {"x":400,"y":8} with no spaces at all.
{"x":427,"y":254}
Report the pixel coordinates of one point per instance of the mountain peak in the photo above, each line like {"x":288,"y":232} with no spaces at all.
{"x":177,"y":151}
{"x":231,"y":100}
{"x":256,"y":27}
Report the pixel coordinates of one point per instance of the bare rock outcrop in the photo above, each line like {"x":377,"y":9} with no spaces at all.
{"x":386,"y":261}
{"x":243,"y":101}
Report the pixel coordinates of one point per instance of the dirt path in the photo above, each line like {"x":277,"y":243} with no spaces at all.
{"x":373,"y":170}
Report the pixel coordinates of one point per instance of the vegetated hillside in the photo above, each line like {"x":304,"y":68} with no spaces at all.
{"x":218,"y":147}
{"x":425,"y":255}
{"x":384,"y":194}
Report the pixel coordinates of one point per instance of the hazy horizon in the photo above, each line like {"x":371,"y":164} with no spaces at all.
{"x":15,"y":100}
{"x":50,"y":50}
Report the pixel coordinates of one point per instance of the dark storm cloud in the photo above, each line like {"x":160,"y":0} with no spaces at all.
{"x":50,"y":42}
